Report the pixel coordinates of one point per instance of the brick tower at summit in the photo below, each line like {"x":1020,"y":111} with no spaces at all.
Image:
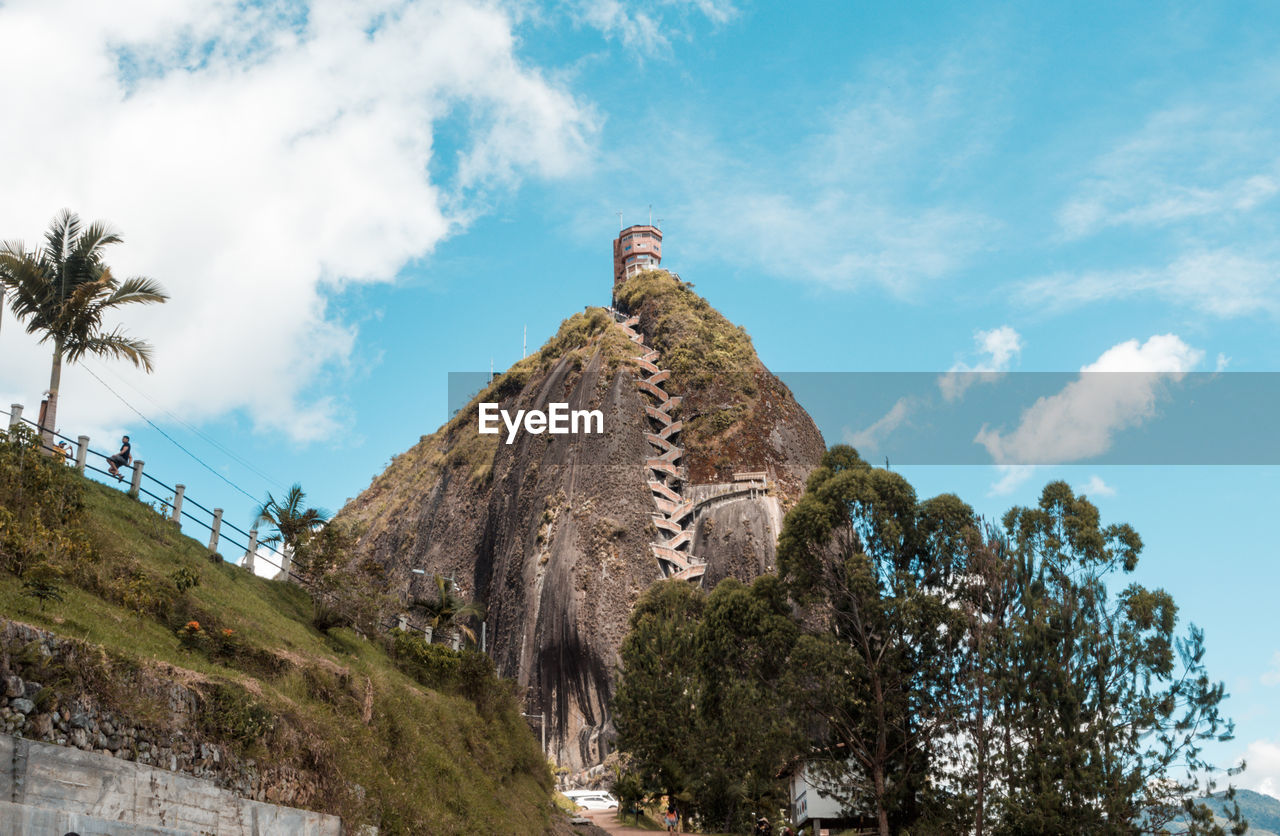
{"x":637,"y":248}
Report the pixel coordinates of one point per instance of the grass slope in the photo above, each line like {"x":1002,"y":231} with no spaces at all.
{"x":434,"y":742}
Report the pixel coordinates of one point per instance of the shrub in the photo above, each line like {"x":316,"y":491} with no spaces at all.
{"x":41,"y":506}
{"x":185,"y":579}
{"x":432,"y":665}
{"x":232,"y":715}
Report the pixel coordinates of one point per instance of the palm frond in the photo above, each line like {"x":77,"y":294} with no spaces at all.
{"x":63,"y":230}
{"x":114,"y":344}
{"x":93,"y":239}
{"x":136,"y":290}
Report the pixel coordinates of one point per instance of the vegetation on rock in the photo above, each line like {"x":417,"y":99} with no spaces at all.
{"x":731,"y":403}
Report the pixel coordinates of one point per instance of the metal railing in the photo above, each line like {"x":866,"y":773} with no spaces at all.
{"x":175,"y":507}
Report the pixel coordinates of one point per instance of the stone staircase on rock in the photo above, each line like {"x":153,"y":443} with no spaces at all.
{"x":673,"y":545}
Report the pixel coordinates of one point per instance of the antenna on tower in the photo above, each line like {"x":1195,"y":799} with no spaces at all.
{"x":650,"y":214}
{"x":491,"y":370}
{"x":524,"y":344}
{"x":619,"y":219}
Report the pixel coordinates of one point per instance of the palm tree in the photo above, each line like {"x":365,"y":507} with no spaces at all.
{"x":293,"y":523}
{"x":446,"y":609}
{"x":63,"y":289}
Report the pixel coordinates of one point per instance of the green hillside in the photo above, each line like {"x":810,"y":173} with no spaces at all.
{"x":382,"y":730}
{"x":1260,"y":810}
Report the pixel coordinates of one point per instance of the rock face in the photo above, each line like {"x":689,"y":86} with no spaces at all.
{"x":553,"y":533}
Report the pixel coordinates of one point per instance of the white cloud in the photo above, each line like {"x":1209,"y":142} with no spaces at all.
{"x":999,"y":347}
{"x":844,"y":208}
{"x":1117,"y":391}
{"x":1012,"y":477}
{"x":256,"y":161}
{"x":1221,"y":282}
{"x":870,"y":438}
{"x":1186,"y":163}
{"x":1198,"y":183}
{"x":1263,"y":772}
{"x":1272,"y":675}
{"x":647,"y":27}
{"x":1096,"y":487}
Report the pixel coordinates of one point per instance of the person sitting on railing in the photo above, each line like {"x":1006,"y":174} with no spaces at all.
{"x":120,"y":459}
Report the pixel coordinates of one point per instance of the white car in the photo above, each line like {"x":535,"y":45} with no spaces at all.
{"x":592,"y":799}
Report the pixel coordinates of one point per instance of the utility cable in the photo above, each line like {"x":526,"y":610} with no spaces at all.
{"x":172,"y":440}
{"x":270,"y":481}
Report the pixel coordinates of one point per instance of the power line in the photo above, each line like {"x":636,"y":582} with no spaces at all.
{"x":172,"y":440}
{"x":271,"y":482}
{"x":258,"y":555}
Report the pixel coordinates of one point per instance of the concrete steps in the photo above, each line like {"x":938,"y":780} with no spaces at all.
{"x":693,"y":573}
{"x":657,"y":415}
{"x":666,"y":525}
{"x":661,"y":488}
{"x":671,"y":548}
{"x":681,"y":540}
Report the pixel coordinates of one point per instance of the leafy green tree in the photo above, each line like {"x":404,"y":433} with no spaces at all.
{"x":702,"y":711}
{"x":743,"y":724}
{"x":985,"y":592}
{"x":1108,"y":708}
{"x":63,"y":291}
{"x":875,"y":569}
{"x":658,"y":692}
{"x":446,"y":610}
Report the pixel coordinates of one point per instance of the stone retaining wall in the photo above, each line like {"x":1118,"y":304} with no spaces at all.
{"x":168,"y":737}
{"x":49,"y":789}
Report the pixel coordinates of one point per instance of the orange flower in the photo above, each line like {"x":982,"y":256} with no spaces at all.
{"x":193,"y":625}
{"x":227,"y":633}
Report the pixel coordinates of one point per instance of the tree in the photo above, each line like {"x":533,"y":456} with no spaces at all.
{"x":293,"y":524}
{"x":658,"y":689}
{"x":875,"y":569}
{"x":446,"y":610}
{"x":701,"y":709}
{"x":744,"y":725}
{"x":63,"y":291}
{"x":1108,"y":709}
{"x":985,"y":593}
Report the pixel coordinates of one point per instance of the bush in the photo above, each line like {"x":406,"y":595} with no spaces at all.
{"x":432,"y":665}
{"x":41,"y":506}
{"x":232,"y":715}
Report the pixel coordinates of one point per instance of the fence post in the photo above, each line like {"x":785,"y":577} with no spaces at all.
{"x":247,"y":561}
{"x":402,"y":623}
{"x":178,"y":490}
{"x":428,"y":631}
{"x":457,"y":639}
{"x":213,"y":535}
{"x":82,"y":452}
{"x":137,"y":478}
{"x":15,"y":414}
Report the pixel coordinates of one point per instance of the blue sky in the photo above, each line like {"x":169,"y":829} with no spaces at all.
{"x":350,"y":200}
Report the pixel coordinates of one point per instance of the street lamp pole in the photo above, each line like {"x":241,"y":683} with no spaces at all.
{"x":542,"y":724}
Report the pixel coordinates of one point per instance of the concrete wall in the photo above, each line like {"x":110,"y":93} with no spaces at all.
{"x":48,"y":789}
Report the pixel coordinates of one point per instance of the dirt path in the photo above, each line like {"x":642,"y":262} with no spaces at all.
{"x":607,"y":821}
